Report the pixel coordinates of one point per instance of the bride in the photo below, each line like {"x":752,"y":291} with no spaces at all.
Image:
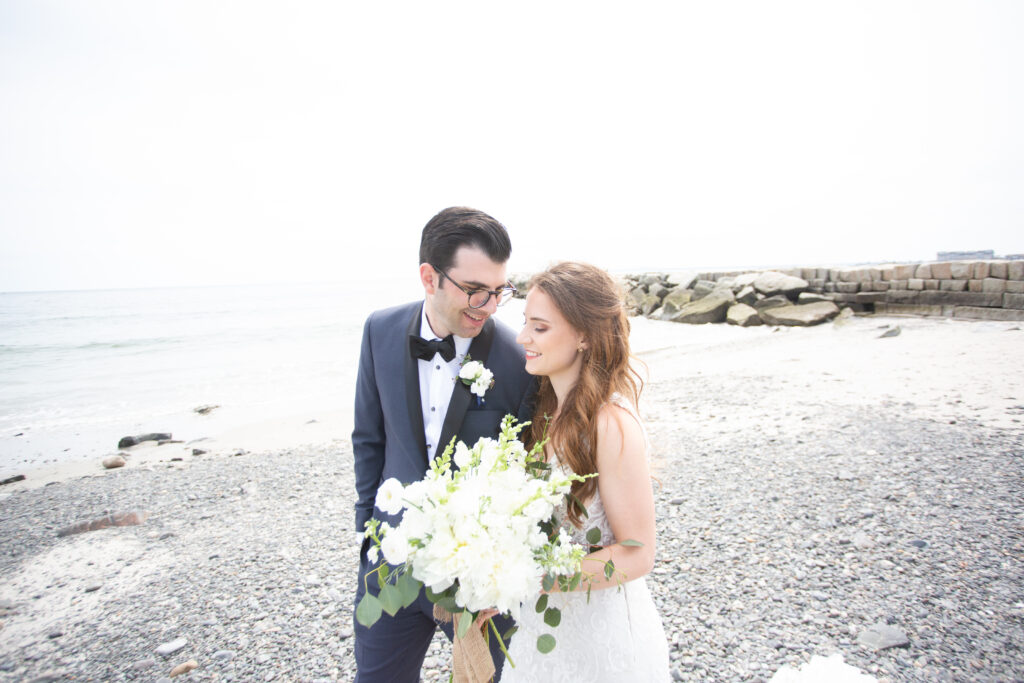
{"x":576,"y":337}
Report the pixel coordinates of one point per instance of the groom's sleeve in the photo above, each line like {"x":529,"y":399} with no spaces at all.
{"x":368,"y":433}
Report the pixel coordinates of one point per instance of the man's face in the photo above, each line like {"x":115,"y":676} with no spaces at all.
{"x":448,"y":308}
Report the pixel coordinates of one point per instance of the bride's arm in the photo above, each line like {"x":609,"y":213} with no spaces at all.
{"x":624,"y":481}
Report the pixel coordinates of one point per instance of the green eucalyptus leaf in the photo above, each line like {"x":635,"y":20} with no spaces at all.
{"x":368,"y":611}
{"x":546,"y":643}
{"x":630,"y":543}
{"x":579,"y":505}
{"x":542,"y":603}
{"x":509,"y":633}
{"x":563,"y":584}
{"x":409,"y":588}
{"x":593,"y":536}
{"x":574,"y":583}
{"x":390,"y":599}
{"x":548,"y":582}
{"x":465,"y":621}
{"x":609,"y":569}
{"x":553,"y":617}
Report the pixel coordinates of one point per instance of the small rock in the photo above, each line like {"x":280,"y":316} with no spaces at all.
{"x":882,"y":637}
{"x":205,"y":410}
{"x":11,"y":480}
{"x":677,"y":501}
{"x":113,"y":462}
{"x":224,"y":655}
{"x":144,"y":664}
{"x":894,"y":332}
{"x":184,"y":668}
{"x":919,"y":543}
{"x":169,"y":648}
{"x":198,"y":451}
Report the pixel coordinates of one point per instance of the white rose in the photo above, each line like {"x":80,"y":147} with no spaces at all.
{"x":395,"y":547}
{"x":463,"y":456}
{"x":389,"y":497}
{"x":471,"y":369}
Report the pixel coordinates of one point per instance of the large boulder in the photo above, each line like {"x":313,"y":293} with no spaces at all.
{"x":650,"y":302}
{"x":674,"y":302}
{"x":747,"y":295}
{"x":710,"y":309}
{"x":742,"y":315}
{"x":702,"y":289}
{"x":772,"y":282}
{"x":801,"y":315}
{"x":772,"y":302}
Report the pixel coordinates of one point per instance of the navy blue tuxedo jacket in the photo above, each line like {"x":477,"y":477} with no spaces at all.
{"x":388,"y":439}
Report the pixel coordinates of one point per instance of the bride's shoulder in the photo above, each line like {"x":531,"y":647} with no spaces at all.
{"x":618,"y":428}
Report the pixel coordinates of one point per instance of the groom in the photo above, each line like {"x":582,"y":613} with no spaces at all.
{"x":409,"y":403}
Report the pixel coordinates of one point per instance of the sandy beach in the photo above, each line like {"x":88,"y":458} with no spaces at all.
{"x":812,"y":484}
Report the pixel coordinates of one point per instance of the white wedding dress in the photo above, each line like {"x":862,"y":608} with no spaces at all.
{"x":616,"y":637}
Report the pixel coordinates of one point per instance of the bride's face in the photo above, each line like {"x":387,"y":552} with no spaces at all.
{"x":551,"y":343}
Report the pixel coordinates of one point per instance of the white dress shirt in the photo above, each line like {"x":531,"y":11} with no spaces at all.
{"x":437,"y":381}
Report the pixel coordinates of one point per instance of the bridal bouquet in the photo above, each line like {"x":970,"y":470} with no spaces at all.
{"x":480,"y":536}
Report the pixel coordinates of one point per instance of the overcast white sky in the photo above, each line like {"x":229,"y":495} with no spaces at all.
{"x":190,"y":143}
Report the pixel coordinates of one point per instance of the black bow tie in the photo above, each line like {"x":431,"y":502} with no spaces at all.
{"x":425,"y":350}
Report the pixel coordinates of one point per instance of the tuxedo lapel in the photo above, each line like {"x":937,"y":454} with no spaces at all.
{"x":461,"y":396}
{"x":412,"y":385}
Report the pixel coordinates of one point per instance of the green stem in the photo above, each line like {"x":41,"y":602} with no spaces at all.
{"x":501,"y":643}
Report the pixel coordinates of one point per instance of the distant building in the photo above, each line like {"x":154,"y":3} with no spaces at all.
{"x":965,"y":255}
{"x":1014,"y":257}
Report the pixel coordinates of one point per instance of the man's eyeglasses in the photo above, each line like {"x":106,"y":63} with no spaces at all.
{"x":478,"y":298}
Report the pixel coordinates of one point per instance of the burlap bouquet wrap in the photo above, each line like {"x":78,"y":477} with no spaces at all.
{"x":471,"y":659}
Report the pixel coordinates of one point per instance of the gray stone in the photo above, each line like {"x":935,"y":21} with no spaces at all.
{"x":674,"y":301}
{"x":801,"y":315}
{"x":747,"y":295}
{"x":980,"y":271}
{"x":810,"y":298}
{"x":170,"y":647}
{"x":997,"y":269}
{"x":681,"y":280}
{"x":915,"y":284}
{"x":146,"y":663}
{"x":982,"y":313}
{"x":702,"y":289}
{"x":993,"y":284}
{"x":710,"y":309}
{"x":224,"y":655}
{"x":742,"y":315}
{"x":862,"y":541}
{"x":891,"y":332}
{"x":649,"y":303}
{"x":904,"y":272}
{"x":1013,"y":301}
{"x":952,"y":285}
{"x":772,"y":302}
{"x":942,"y":270}
{"x":882,"y":637}
{"x":848,"y":287}
{"x":773,"y":282}
{"x":961,"y":270}
{"x":659,"y":290}
{"x":923,"y":272}
{"x":1015,"y":286}
{"x":113,"y":461}
{"x":1015,"y":270}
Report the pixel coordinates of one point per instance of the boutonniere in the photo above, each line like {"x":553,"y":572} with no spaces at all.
{"x":475,"y":376}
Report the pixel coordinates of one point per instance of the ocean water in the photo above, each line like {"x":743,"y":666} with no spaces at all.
{"x":79,"y":370}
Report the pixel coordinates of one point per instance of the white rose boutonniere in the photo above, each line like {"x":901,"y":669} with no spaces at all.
{"x":475,"y":376}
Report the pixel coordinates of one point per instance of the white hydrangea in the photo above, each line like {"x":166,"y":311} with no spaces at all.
{"x":479,"y":528}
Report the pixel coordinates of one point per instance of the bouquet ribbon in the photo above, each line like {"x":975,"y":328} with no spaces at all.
{"x":471,"y":659}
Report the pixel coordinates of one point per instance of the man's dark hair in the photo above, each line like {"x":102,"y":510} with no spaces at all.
{"x":460,"y":226}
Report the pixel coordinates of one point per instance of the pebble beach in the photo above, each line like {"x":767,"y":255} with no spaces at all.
{"x":819,"y":490}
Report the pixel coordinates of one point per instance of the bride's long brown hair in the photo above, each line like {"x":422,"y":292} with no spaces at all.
{"x":591,"y":302}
